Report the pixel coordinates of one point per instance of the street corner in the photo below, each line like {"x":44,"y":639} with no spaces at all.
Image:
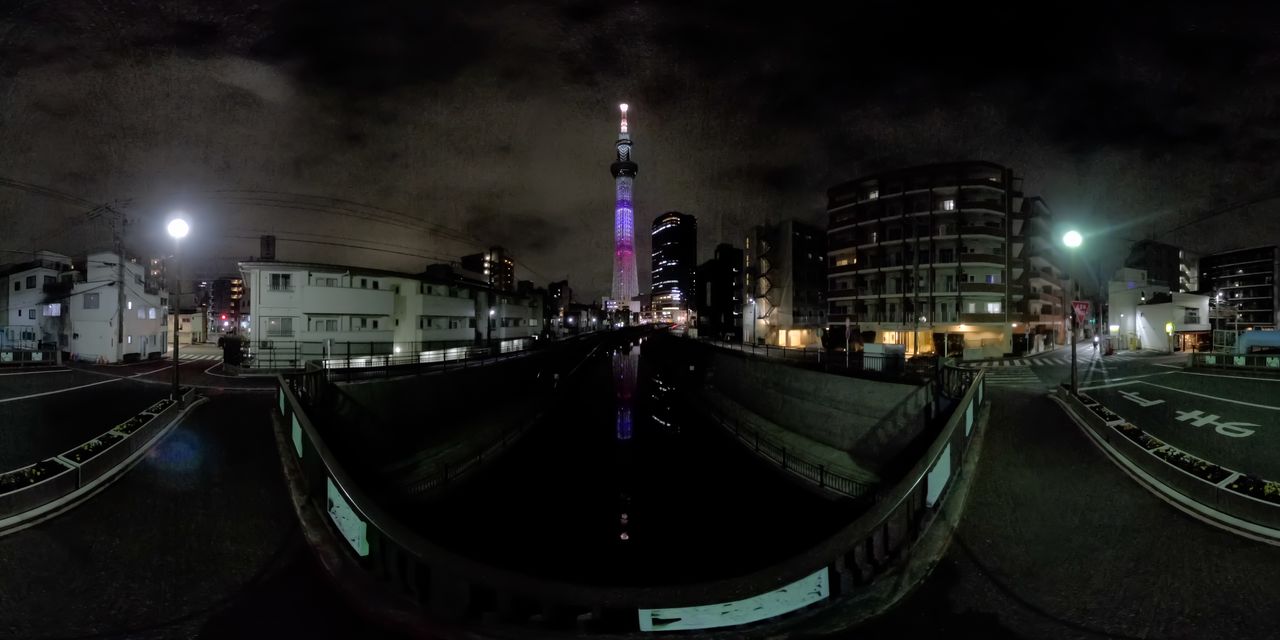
{"x":1233,"y":421}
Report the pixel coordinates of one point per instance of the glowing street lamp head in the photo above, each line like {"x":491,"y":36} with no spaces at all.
{"x":178,"y":228}
{"x":1072,"y":239}
{"x":623,"y":106}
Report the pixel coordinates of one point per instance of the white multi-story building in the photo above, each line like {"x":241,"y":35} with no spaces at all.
{"x":74,"y":303}
{"x":312,"y":311}
{"x":25,"y":296}
{"x":1128,"y":289}
{"x":92,"y":312}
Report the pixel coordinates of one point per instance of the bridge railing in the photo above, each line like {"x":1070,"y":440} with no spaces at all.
{"x":1263,"y":361}
{"x":451,"y":585}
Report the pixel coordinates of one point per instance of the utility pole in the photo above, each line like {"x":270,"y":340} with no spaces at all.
{"x":118,"y":239}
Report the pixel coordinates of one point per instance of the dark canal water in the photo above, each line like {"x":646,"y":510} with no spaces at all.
{"x":623,"y":487}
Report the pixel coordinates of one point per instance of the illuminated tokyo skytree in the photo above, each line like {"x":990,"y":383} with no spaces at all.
{"x":625,"y":284}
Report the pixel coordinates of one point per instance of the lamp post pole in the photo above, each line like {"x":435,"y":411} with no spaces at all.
{"x":1072,"y":239}
{"x":178,"y":228}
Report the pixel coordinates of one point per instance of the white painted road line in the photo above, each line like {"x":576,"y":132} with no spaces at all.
{"x":1108,"y":386}
{"x":49,"y":393}
{"x":1221,"y":375}
{"x":32,"y":373}
{"x":1205,"y":395}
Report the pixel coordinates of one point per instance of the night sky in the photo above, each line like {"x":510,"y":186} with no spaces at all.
{"x":429,"y":132}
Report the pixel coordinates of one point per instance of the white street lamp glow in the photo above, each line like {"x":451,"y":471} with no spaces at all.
{"x":623,"y":106}
{"x":1072,"y":239}
{"x":178,"y":228}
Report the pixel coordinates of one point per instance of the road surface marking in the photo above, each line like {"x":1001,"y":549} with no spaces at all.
{"x":1205,"y":395}
{"x":1108,"y":386}
{"x":1139,"y":400}
{"x":32,"y":373}
{"x":49,"y":393}
{"x":1222,"y":375}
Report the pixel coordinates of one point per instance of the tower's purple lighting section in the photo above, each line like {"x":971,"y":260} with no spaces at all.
{"x":625,"y":283}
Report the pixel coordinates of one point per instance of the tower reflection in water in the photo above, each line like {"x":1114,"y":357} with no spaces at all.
{"x":626,"y":360}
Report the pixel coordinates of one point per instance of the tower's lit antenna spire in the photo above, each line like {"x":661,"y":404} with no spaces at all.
{"x":623,"y":107}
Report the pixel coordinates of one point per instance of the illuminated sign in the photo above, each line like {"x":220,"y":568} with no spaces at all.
{"x":346,"y":519}
{"x":798,"y":594}
{"x":1168,"y":328}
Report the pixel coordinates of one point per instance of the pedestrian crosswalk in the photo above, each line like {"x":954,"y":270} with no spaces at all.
{"x":199,"y":356}
{"x":1056,"y":360}
{"x":1013,"y":377}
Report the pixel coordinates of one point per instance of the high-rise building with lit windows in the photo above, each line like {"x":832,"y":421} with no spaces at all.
{"x":675,"y":260}
{"x":626,"y":286}
{"x":497,"y":266}
{"x":947,"y":258}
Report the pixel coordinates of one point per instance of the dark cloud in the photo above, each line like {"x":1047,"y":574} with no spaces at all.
{"x":365,"y":49}
{"x":497,"y":119}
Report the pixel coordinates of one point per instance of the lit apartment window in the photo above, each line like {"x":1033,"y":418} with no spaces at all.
{"x":151,"y":313}
{"x":949,"y":205}
{"x":873,"y":194}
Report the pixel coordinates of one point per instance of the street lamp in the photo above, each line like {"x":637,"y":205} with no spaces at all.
{"x":178,"y":229}
{"x":1072,"y":239}
{"x":488,"y":327}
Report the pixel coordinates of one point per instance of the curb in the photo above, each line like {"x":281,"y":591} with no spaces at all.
{"x":74,"y":499}
{"x":1171,"y":496}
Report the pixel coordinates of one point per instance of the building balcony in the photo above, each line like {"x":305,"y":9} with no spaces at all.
{"x":984,"y":204}
{"x":982,"y":317}
{"x":347,"y":301}
{"x":983,"y":230}
{"x":1037,"y":297}
{"x":844,"y":268}
{"x":984,"y":258}
{"x":982,"y":287}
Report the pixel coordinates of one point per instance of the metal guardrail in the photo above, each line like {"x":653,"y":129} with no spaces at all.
{"x":27,"y":356}
{"x":274,"y":355}
{"x":795,"y":463}
{"x":452,"y":585}
{"x":1269,"y":362}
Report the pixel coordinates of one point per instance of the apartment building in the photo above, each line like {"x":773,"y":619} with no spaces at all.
{"x":73,"y":302}
{"x":320,"y":310}
{"x":1244,"y":288}
{"x":946,"y":258}
{"x":785,"y":273}
{"x":25,"y":292}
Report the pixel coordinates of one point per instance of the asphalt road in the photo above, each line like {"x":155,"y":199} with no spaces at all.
{"x":1056,"y":542}
{"x":1231,"y":420}
{"x":46,"y":413}
{"x":198,"y":540}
